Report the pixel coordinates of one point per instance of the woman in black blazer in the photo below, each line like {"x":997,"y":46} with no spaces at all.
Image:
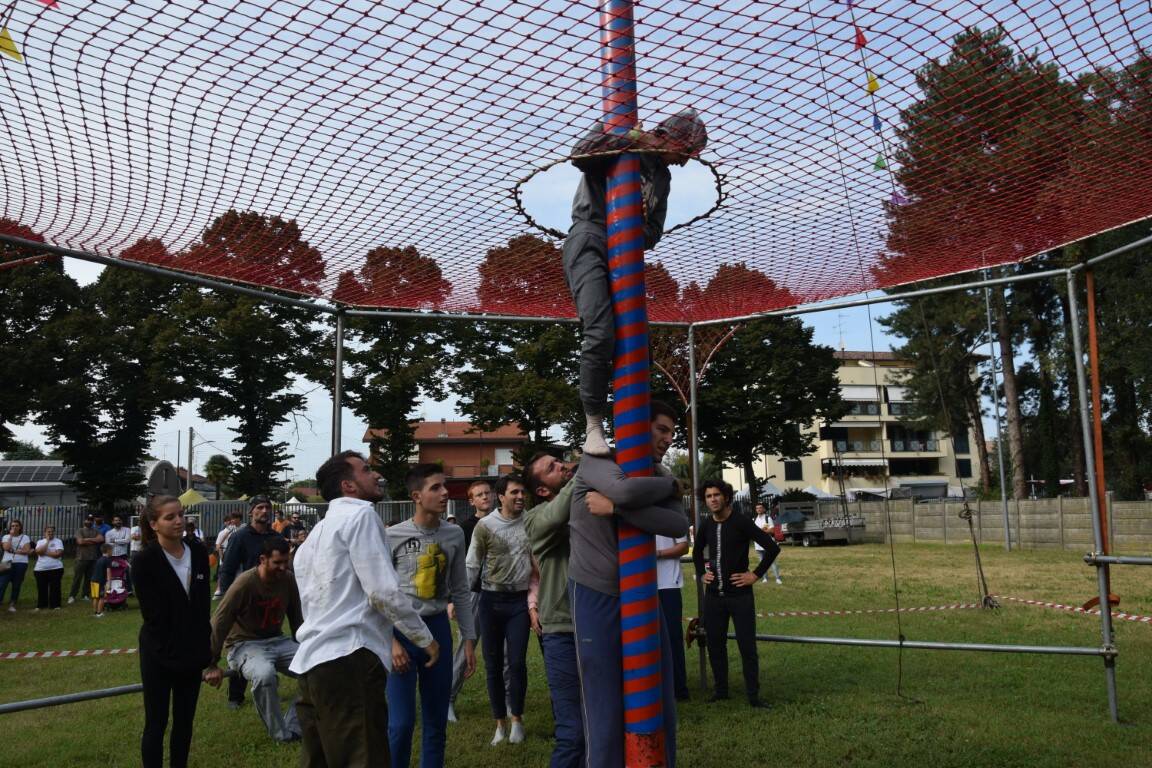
{"x":170,"y":575}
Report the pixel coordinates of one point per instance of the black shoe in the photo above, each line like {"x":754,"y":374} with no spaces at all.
{"x":717,"y":697}
{"x":757,"y":704}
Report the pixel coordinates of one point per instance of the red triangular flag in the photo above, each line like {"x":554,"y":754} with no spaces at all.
{"x":50,"y":3}
{"x":860,"y":41}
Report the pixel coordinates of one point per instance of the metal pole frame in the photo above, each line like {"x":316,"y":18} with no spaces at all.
{"x":999,"y":424}
{"x":1102,"y":573}
{"x":694,"y":460}
{"x":338,"y":384}
{"x":926,"y":645}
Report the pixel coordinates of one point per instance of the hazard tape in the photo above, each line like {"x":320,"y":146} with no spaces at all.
{"x":64,"y":654}
{"x":1076,"y":609}
{"x":921,"y":609}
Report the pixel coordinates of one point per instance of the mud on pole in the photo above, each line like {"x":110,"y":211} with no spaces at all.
{"x":639,"y":611}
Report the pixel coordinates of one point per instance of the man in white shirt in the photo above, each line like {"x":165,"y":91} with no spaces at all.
{"x":351,"y":601}
{"x":119,"y":537}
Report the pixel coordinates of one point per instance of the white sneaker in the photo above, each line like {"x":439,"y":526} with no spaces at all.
{"x":499,"y":735}
{"x":779,"y":581}
{"x":11,"y":609}
{"x":452,"y":713}
{"x":71,"y":600}
{"x":98,"y":615}
{"x":517,"y":734}
{"x":594,"y":442}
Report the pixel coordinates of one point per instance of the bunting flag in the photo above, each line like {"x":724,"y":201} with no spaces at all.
{"x":899,"y":199}
{"x":860,"y":41}
{"x":50,"y":3}
{"x":880,"y":164}
{"x":876,"y":125}
{"x":8,"y":46}
{"x":873,"y":83}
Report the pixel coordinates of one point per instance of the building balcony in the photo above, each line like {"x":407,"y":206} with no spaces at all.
{"x":916,"y":446}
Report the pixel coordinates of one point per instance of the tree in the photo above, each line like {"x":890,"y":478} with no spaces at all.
{"x":943,"y":336}
{"x":32,"y":295}
{"x":21,"y":450}
{"x":393,"y":363}
{"x":119,"y":363}
{"x":251,"y":346}
{"x":763,"y":389}
{"x":218,"y":470}
{"x":521,"y":373}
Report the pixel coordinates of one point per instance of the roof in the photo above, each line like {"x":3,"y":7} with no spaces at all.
{"x":42,"y":471}
{"x":877,"y":356}
{"x":457,"y":432}
{"x":378,"y":154}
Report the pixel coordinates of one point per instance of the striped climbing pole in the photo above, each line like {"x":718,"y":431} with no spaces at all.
{"x":639,"y":612}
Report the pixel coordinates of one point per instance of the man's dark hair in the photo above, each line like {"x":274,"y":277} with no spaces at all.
{"x":724,"y":488}
{"x":661,"y":408}
{"x":335,"y":471}
{"x":274,"y":544}
{"x":419,"y":474}
{"x":502,"y":484}
{"x":531,"y":477}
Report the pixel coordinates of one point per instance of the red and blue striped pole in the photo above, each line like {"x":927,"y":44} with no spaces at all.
{"x":639,"y":611}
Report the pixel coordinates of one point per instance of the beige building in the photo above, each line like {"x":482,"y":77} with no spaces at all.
{"x":868,"y":451}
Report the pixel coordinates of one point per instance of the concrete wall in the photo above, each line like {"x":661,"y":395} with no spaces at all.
{"x":1035,"y":524}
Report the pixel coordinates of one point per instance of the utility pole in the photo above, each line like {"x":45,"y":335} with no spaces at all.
{"x":191,"y":436}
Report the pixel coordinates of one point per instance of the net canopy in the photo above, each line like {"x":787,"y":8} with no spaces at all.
{"x":369,"y":153}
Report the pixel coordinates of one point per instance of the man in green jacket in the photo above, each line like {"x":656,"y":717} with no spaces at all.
{"x":548,"y":480}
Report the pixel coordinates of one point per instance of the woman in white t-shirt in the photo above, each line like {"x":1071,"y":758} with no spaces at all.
{"x":49,"y":570}
{"x":16,"y":546}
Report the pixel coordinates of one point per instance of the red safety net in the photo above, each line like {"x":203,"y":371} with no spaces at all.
{"x":381,"y":143}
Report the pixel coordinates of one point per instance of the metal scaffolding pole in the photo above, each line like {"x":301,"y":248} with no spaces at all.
{"x":694,"y":463}
{"x":338,"y":384}
{"x":925,"y":645}
{"x":1090,"y":467}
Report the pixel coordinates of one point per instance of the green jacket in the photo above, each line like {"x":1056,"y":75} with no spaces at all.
{"x":547,"y":528}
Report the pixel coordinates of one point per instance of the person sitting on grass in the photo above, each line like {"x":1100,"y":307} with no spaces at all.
{"x":101,"y":572}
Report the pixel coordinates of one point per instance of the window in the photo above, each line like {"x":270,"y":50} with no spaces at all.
{"x":793,"y":471}
{"x":960,"y":443}
{"x":964,"y":468}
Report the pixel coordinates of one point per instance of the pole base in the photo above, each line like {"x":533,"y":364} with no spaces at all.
{"x":644,"y":750}
{"x":1113,"y":600}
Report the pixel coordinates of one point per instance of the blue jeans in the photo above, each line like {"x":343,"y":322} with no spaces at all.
{"x":504,"y":619}
{"x":564,"y":684}
{"x":15,"y":577}
{"x":596,"y":616}
{"x":435,"y":685}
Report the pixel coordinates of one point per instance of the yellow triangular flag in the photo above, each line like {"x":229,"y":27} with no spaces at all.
{"x":8,"y":46}
{"x":873,"y":84}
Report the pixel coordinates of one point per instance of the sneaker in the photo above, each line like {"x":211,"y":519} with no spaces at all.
{"x":98,"y":615}
{"x":71,"y":600}
{"x":499,"y":736}
{"x":11,"y":609}
{"x":715,"y":697}
{"x":234,"y":705}
{"x":756,"y":703}
{"x":516,"y":735}
{"x":779,"y":581}
{"x":452,"y":713}
{"x":56,"y":608}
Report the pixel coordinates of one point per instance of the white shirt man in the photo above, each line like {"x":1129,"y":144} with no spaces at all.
{"x":119,"y":537}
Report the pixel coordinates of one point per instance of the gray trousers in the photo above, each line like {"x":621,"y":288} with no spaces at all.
{"x":259,"y":661}
{"x":586,"y":270}
{"x":458,"y":663}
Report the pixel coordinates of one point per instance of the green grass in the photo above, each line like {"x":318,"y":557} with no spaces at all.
{"x":831,"y":706}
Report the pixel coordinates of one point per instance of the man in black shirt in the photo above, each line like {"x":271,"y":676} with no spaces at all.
{"x":481,"y":498}
{"x":721,"y":560}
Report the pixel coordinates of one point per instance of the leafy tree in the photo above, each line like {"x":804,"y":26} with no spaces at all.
{"x":250,"y":347}
{"x":521,"y":373}
{"x":218,"y":470}
{"x":32,"y":295}
{"x":393,"y":363}
{"x":119,"y":362}
{"x":943,"y":336}
{"x":21,"y":450}
{"x":763,"y":388}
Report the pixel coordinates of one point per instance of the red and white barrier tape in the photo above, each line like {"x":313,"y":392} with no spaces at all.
{"x":64,"y":654}
{"x":1076,"y":609}
{"x":953,"y":607}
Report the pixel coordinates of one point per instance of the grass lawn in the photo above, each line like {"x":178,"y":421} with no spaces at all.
{"x":830,"y":705}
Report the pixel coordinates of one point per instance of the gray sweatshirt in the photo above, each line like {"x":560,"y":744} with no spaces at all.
{"x":500,"y":546}
{"x":652,"y":504}
{"x":430,"y":565}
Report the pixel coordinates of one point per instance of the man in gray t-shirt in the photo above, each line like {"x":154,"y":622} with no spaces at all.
{"x":88,"y":541}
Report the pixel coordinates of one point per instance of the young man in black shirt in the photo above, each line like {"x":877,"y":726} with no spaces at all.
{"x":721,"y":560}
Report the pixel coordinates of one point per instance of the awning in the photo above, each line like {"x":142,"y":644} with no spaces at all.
{"x":898,"y":395}
{"x":859,"y":392}
{"x":857,"y":462}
